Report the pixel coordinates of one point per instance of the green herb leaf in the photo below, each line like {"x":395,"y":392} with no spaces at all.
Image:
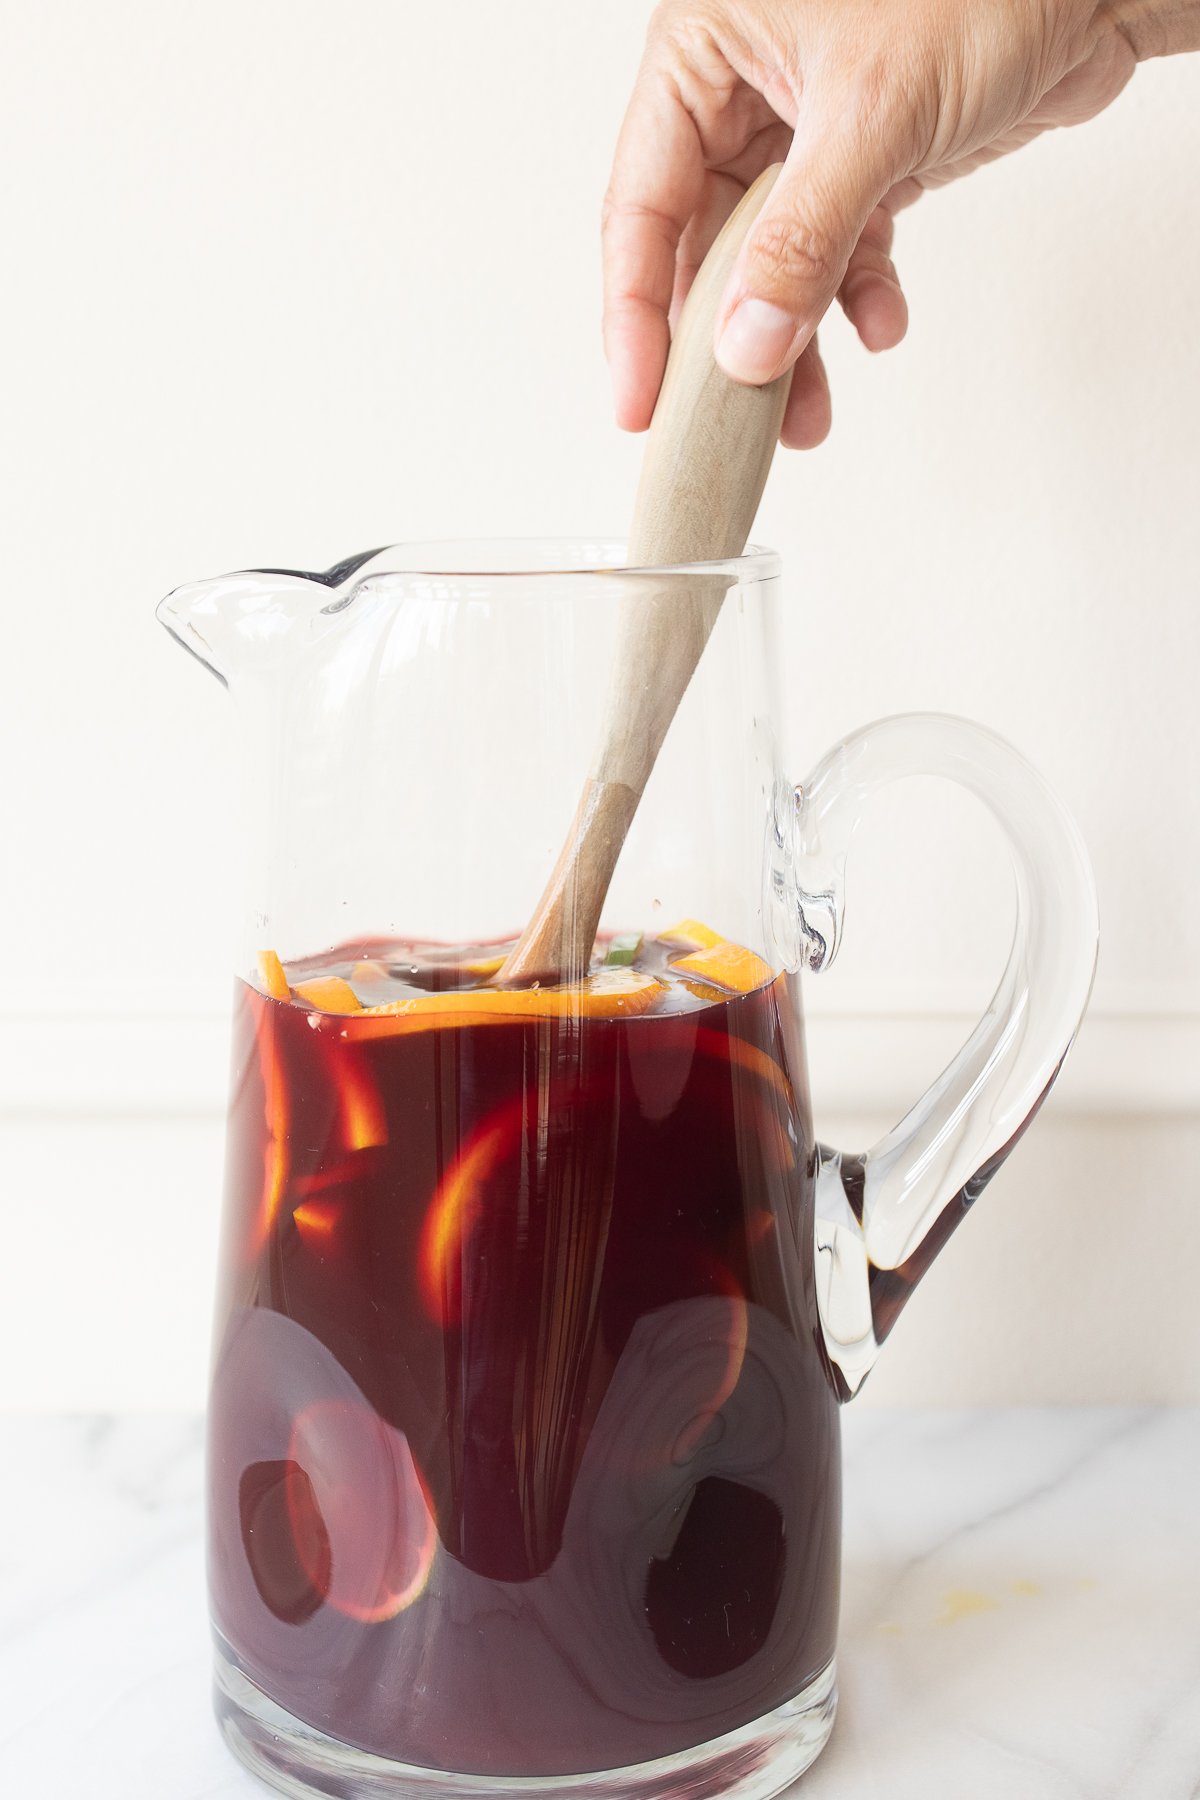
{"x":623,"y":950}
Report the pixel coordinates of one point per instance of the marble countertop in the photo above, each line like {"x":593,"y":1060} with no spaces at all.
{"x":1021,"y":1615}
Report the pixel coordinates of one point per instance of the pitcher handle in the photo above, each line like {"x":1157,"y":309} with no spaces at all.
{"x":882,"y":1216}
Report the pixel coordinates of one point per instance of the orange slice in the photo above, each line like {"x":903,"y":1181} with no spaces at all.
{"x":361,"y":1522}
{"x":692,"y":934}
{"x":277,"y":1121}
{"x":328,"y":1176}
{"x":271,"y":973}
{"x":372,"y":982}
{"x":369,"y":970}
{"x":749,"y":1057}
{"x":608,"y":994}
{"x":726,"y":1333}
{"x":457,"y":1203}
{"x":316,"y":1220}
{"x":703,"y":990}
{"x":774,"y":1110}
{"x":727,"y":966}
{"x":328,"y":993}
{"x":364,"y":1119}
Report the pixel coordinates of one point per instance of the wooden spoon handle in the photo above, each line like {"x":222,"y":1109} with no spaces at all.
{"x":711,"y":441}
{"x":707,"y":457}
{"x":708,"y":454}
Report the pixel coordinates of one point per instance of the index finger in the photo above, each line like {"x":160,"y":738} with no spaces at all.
{"x":655,"y":187}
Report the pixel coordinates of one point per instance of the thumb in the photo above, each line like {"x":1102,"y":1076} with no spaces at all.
{"x":793,"y":261}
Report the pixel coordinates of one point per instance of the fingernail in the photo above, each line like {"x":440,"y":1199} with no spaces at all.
{"x":755,"y":340}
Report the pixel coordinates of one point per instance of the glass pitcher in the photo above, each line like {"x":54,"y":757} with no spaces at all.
{"x":537,"y":1304}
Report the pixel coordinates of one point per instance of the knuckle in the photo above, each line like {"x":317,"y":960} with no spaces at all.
{"x":623,"y":211}
{"x":790,"y":253}
{"x":676,"y":23}
{"x":638,"y":243}
{"x":619,"y":210}
{"x":667,"y":15}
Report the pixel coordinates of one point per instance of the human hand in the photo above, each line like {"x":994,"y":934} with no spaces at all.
{"x":867,"y":102}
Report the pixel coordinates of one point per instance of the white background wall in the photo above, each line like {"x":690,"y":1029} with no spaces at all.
{"x":281,"y":281}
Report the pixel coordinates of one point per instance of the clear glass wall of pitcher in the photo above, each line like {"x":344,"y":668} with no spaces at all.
{"x":537,"y":1305}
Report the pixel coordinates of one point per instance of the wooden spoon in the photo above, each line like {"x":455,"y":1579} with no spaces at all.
{"x":707,"y":456}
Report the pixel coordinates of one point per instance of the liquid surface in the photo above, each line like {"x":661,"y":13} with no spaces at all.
{"x":523,"y":1451}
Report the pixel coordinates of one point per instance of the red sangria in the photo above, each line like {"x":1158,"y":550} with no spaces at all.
{"x":523,"y":1442}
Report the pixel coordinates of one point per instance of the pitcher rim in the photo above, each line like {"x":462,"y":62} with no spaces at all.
{"x":758,"y":562}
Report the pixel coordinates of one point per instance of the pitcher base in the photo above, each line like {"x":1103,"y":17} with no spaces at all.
{"x":752,"y":1763}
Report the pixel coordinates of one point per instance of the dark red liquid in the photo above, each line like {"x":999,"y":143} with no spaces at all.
{"x":523,"y":1446}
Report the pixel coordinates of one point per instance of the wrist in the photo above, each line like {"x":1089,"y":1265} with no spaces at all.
{"x":1155,"y":27}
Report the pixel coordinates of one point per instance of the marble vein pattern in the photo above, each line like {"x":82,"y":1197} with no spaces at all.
{"x":1020,"y":1621}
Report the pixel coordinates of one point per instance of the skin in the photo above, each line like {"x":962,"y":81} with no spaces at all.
{"x":867,"y":103}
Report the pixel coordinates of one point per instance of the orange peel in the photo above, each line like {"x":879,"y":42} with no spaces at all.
{"x":728,"y":966}
{"x":608,"y":994}
{"x":692,"y":934}
{"x":271,"y":974}
{"x":704,"y":991}
{"x":328,"y":993}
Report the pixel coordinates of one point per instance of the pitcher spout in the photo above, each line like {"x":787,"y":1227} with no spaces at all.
{"x":233,"y":619}
{"x":210,"y":618}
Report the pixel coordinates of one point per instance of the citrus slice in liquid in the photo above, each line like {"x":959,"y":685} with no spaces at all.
{"x":456,"y":1205}
{"x":361,"y":1523}
{"x":727,"y":966}
{"x":328,"y":993}
{"x":270,"y":970}
{"x":691,"y":934}
{"x":608,"y":994}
